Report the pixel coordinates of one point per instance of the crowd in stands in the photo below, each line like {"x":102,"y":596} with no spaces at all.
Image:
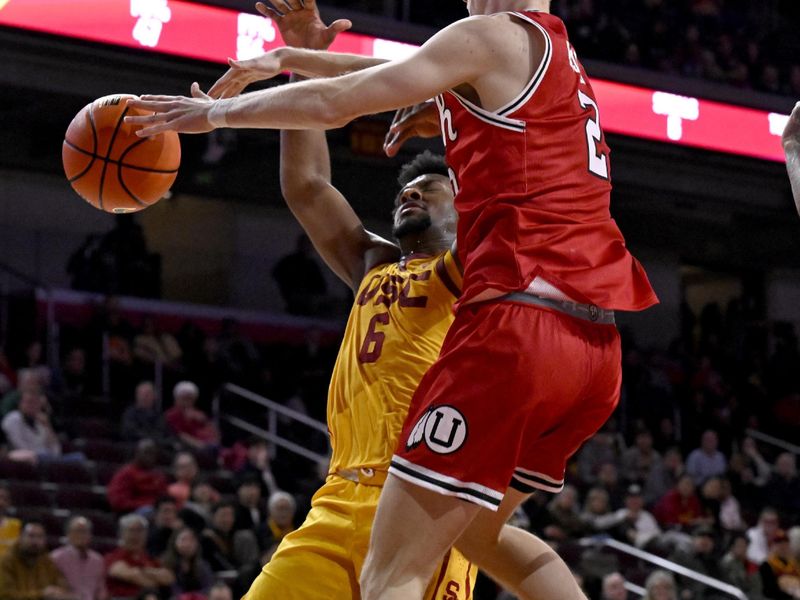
{"x":736,"y":42}
{"x":191,"y":511}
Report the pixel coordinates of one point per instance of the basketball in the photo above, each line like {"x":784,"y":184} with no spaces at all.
{"x":110,"y":166}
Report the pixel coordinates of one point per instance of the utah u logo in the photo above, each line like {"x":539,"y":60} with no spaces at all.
{"x":442,"y":428}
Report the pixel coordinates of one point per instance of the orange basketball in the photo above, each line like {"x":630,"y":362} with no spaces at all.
{"x":110,"y":166}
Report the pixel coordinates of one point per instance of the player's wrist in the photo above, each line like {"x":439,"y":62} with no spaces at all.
{"x":218,"y":113}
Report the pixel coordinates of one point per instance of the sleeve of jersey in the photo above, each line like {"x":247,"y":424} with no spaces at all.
{"x":448,"y":272}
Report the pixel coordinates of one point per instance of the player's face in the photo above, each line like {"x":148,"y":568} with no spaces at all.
{"x":425,"y":203}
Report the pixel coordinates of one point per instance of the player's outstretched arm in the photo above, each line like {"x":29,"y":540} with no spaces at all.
{"x":791,"y":146}
{"x":327,"y":217}
{"x":460,"y":53}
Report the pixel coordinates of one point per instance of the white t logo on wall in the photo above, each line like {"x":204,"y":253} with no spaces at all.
{"x":151,"y":16}
{"x":253,"y":32}
{"x":677,"y":109}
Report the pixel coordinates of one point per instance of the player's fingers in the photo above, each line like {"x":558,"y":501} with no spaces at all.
{"x":198,"y":93}
{"x":154,"y":130}
{"x":153,"y":105}
{"x":292,"y":4}
{"x":146,"y":120}
{"x":339,"y":26}
{"x":277,"y":7}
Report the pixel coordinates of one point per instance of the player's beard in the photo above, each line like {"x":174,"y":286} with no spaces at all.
{"x":412,"y":225}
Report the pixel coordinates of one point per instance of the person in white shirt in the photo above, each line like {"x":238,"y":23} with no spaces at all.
{"x":759,"y":536}
{"x":28,"y":428}
{"x":706,"y":461}
{"x":82,"y":567}
{"x":637,"y":525}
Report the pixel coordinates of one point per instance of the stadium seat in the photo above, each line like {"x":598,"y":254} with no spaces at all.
{"x":76,"y":498}
{"x":104,"y":471}
{"x":73,"y":473}
{"x":104,"y":524}
{"x":32,"y":494}
{"x":97,"y":449}
{"x":18,"y":471}
{"x":94,"y":428}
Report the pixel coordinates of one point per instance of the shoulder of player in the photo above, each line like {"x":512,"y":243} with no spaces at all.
{"x":489,"y":30}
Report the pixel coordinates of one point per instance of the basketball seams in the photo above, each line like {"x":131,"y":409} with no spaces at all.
{"x":122,"y":164}
{"x":93,"y":154}
{"x":108,"y":155}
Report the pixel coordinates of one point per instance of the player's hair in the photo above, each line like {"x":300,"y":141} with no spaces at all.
{"x":425,"y":163}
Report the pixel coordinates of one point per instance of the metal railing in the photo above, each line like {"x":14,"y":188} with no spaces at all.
{"x":773,"y":441}
{"x":663,"y":563}
{"x":274,"y":411}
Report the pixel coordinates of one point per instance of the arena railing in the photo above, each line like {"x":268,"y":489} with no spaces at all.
{"x":663,"y":563}
{"x":274,"y":411}
{"x":773,"y":441}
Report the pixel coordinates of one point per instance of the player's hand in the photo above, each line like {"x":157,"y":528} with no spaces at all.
{"x":421,"y":120}
{"x":244,"y":72}
{"x":791,"y":135}
{"x":300,"y":24}
{"x":173,"y":113}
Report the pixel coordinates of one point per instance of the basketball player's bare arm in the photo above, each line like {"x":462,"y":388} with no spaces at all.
{"x":791,"y":146}
{"x":468,"y":51}
{"x":305,"y":168}
{"x":294,"y":20}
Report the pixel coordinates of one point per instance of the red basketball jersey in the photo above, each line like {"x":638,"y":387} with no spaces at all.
{"x":533,"y":187}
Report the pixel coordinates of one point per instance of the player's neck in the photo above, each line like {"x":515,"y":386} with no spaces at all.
{"x":490,"y":7}
{"x":428,"y":242}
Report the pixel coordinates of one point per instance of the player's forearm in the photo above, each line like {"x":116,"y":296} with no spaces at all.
{"x":307,"y":105}
{"x":792,"y":150}
{"x":319,"y":63}
{"x":305,"y":162}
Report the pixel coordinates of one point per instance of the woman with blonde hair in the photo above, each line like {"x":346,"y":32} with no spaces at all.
{"x":660,"y":586}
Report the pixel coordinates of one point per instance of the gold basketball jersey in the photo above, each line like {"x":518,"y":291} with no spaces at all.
{"x":400,"y":316}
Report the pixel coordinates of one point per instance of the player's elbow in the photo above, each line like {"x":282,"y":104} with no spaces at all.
{"x":299,"y":188}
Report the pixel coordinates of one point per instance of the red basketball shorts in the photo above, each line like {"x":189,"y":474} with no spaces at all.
{"x":515,"y":392}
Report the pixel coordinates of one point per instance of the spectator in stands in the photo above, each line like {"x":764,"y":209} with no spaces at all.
{"x":614,"y":587}
{"x":640,"y":460}
{"x":258,"y":465}
{"x":229,"y":550}
{"x":184,"y":558}
{"x":664,"y":476}
{"x":730,"y":509}
{"x":251,"y":510}
{"x":636,"y":525}
{"x":28,"y":380}
{"x":780,"y":573}
{"x":608,"y":479}
{"x":82,"y":567}
{"x":755,"y":462}
{"x":185,"y":470}
{"x":137,"y":485}
{"x":680,"y":507}
{"x":142,"y":420}
{"x":130,"y":569}
{"x":760,"y":537}
{"x":152,"y":346}
{"x":165,"y":524}
{"x":27,"y":571}
{"x":300,"y":280}
{"x":597,"y":451}
{"x":660,"y":585}
{"x":192,"y":426}
{"x":597,"y":516}
{"x":10,"y":527}
{"x":73,"y":381}
{"x":202,"y":502}
{"x":706,"y":461}
{"x":783,"y":488}
{"x":220,"y":591}
{"x":565,"y":517}
{"x":737,"y":570}
{"x":28,"y":428}
{"x":699,"y":558}
{"x":282,"y":508}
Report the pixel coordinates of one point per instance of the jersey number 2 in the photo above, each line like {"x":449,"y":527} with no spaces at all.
{"x":598,"y":163}
{"x":371,"y":349}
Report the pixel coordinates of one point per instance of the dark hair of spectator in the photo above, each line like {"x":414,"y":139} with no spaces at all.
{"x":164,"y":500}
{"x":223,"y":504}
{"x":426,"y":163}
